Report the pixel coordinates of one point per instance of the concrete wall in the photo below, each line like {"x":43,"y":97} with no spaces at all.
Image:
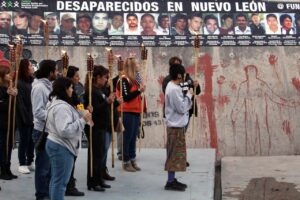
{"x":237,"y":115}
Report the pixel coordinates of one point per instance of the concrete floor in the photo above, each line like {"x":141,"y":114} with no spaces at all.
{"x":261,"y":178}
{"x":147,"y":184}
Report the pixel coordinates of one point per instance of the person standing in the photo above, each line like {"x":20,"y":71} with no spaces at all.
{"x":177,"y":106}
{"x":132,"y":107}
{"x":41,"y":89}
{"x":100,"y":105}
{"x":64,"y":125}
{"x":6,"y":90}
{"x":24,"y":117}
{"x":73,"y":75}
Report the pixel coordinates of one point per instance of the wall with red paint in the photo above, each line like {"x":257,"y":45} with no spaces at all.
{"x":242,"y":110}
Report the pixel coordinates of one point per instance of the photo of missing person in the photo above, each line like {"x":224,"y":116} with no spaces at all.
{"x":100,"y":24}
{"x":132,"y":24}
{"x":84,"y":24}
{"x":287,"y":24}
{"x":163,"y":24}
{"x":242,"y":25}
{"x":20,"y":23}
{"x":226,"y":24}
{"x":67,"y":24}
{"x":195,"y":24}
{"x":211,"y":26}
{"x":148,"y":24}
{"x":256,"y":25}
{"x":35,"y":25}
{"x":272,"y":24}
{"x":116,"y":24}
{"x":5,"y":22}
{"x":179,"y":24}
{"x":53,"y":22}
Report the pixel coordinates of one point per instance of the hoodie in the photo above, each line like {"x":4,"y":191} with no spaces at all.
{"x":64,"y":125}
{"x":41,"y":89}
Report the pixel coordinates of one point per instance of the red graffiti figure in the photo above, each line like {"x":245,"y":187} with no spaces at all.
{"x":253,"y":96}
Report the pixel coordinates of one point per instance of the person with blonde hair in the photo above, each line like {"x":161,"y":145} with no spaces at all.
{"x":132,"y":108}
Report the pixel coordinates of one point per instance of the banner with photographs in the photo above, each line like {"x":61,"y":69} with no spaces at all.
{"x":158,"y":23}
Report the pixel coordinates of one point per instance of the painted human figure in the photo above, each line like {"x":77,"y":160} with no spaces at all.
{"x":253,"y":95}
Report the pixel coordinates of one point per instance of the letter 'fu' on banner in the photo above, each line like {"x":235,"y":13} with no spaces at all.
{"x":158,"y":23}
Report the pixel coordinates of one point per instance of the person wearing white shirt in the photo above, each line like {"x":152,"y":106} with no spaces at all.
{"x":116,"y":27}
{"x":132,"y":22}
{"x":272,"y":22}
{"x":163,"y":25}
{"x":211,"y":25}
{"x":242,"y":27}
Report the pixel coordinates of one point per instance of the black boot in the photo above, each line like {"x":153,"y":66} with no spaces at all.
{"x":72,"y":190}
{"x":106,"y":175}
{"x":4,"y":175}
{"x":8,"y":171}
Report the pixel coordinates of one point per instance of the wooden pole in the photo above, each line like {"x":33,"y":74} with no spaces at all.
{"x":120,"y":70}
{"x":90,"y":69}
{"x":196,"y":53}
{"x":144,"y":55}
{"x":110,"y":58}
{"x":12,"y":58}
{"x":65,"y":63}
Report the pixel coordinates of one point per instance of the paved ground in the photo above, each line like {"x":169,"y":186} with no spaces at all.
{"x":147,"y":184}
{"x":261,"y":178}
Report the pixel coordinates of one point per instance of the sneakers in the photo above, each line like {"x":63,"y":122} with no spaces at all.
{"x":128,"y":167}
{"x":23,"y":169}
{"x":175,"y":186}
{"x":135,"y":166}
{"x":31,"y":167}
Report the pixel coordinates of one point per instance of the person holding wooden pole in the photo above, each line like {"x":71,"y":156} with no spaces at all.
{"x":7,"y":91}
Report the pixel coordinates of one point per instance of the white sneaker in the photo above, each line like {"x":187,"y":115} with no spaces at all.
{"x":24,"y":169}
{"x":31,"y":167}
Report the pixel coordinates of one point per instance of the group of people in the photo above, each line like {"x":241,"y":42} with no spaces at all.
{"x":49,"y":106}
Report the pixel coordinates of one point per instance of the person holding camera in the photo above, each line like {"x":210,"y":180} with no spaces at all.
{"x":178,"y":102}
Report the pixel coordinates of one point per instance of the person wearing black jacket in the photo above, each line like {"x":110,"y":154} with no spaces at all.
{"x":24,"y":117}
{"x":101,"y":117}
{"x":5,"y":92}
{"x":73,"y":75}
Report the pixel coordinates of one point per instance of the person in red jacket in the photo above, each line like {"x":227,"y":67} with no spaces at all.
{"x":132,"y":108}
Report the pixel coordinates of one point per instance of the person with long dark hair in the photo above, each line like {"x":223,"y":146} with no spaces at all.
{"x":73,"y":75}
{"x":101,"y":104}
{"x":65,"y":126}
{"x":41,"y":88}
{"x":5,"y":91}
{"x":24,"y":117}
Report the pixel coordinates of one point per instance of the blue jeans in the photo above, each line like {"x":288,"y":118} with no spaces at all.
{"x":26,"y":146}
{"x":107,"y":141}
{"x":42,"y":170}
{"x":62,"y":161}
{"x":131,"y":123}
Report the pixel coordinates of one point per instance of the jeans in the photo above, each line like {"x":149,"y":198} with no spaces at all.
{"x":131,"y":123}
{"x":42,"y":170}
{"x":119,"y":143}
{"x":62,"y":161}
{"x":107,"y":141}
{"x":26,"y":146}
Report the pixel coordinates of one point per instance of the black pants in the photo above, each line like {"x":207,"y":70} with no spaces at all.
{"x":5,"y":153}
{"x":26,"y":146}
{"x":97,"y":157}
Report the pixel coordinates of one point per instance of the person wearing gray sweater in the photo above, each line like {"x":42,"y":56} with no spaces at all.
{"x":64,"y":125}
{"x":177,"y":105}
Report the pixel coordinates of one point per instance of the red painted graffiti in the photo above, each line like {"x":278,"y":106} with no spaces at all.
{"x":286,"y":127}
{"x":296,"y":83}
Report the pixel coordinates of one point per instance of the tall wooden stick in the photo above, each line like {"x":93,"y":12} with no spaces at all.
{"x":46,"y":37}
{"x":19,"y":50}
{"x":196,"y":53}
{"x":90,"y":70}
{"x":12,"y":58}
{"x":110,"y":58}
{"x":65,"y":63}
{"x":120,"y":70}
{"x":144,"y":55}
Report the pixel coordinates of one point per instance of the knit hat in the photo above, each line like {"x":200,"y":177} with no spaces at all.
{"x":3,"y":62}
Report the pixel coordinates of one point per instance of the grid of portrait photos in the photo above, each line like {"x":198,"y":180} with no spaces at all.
{"x":72,"y":25}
